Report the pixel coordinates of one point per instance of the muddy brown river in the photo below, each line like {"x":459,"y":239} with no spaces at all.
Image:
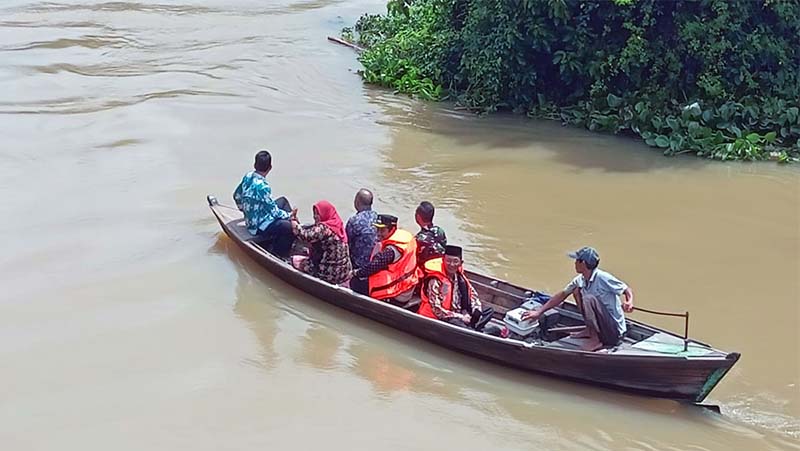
{"x":128,"y":322}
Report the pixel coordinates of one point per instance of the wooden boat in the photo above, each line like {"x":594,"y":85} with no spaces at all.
{"x":650,"y":361}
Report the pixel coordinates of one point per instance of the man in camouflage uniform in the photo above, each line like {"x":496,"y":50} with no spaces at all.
{"x":431,"y":240}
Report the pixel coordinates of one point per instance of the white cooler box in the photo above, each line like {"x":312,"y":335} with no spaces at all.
{"x":514,"y":322}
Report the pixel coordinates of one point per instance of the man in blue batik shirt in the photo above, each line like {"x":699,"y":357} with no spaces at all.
{"x":362,"y":237}
{"x":266,"y":218}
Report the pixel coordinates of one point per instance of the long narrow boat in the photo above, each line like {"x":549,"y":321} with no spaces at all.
{"x":650,"y":361}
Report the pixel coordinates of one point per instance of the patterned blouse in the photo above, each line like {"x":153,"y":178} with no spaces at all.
{"x":330,"y":258}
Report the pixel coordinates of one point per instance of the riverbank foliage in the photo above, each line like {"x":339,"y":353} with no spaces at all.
{"x":718,"y":78}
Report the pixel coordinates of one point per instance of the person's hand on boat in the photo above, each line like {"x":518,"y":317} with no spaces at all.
{"x":531,"y":314}
{"x":627,"y":305}
{"x":466,"y":317}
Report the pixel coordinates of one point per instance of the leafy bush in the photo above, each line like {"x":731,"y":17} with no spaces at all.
{"x":719,"y":78}
{"x":406,"y":48}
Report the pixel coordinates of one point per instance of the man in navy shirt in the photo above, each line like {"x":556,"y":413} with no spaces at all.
{"x":361,"y":237}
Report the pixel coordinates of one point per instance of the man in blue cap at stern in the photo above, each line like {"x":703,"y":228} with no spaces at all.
{"x":598,"y":296}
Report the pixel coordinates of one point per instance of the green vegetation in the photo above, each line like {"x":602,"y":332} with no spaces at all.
{"x":718,"y":78}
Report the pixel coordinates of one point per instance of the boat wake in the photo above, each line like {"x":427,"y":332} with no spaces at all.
{"x":764,"y":412}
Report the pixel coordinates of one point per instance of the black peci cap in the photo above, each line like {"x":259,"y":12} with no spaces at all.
{"x":454,"y":251}
{"x":386,"y":221}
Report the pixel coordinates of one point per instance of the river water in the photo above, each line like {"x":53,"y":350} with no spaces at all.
{"x":128,"y":322}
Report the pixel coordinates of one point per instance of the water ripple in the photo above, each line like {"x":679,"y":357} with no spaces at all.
{"x":86,"y":41}
{"x":41,"y":24}
{"x":116,"y":7}
{"x":292,"y":8}
{"x":126,"y":70}
{"x":80,"y":105}
{"x":120,"y":143}
{"x":750,"y":410}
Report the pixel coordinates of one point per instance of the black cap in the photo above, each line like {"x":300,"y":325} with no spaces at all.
{"x":453,"y":251}
{"x":386,"y":221}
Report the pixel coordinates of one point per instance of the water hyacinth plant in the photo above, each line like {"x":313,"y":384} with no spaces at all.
{"x":716,"y":78}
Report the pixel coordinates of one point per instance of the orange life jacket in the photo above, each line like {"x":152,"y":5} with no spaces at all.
{"x":400,"y":276}
{"x":434,"y":268}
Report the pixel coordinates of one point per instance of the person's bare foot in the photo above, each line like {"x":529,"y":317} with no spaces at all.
{"x":591,"y":345}
{"x":583,"y":333}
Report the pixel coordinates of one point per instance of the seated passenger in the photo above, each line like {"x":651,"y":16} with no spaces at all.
{"x":431,"y":239}
{"x":392,"y":269}
{"x":597,"y":294}
{"x":265,"y":218}
{"x":448,"y":295}
{"x":330,"y":259}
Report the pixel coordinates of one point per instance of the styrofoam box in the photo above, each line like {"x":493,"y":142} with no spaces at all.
{"x":513,"y":319}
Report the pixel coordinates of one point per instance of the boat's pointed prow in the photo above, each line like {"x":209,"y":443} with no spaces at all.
{"x":711,"y":408}
{"x":212,"y":201}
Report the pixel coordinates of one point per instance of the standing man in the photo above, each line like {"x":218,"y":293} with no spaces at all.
{"x":392,"y":270}
{"x":362,"y":237}
{"x":598,"y":296}
{"x":265,"y":218}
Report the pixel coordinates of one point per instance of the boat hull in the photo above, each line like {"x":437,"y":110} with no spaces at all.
{"x":678,"y":378}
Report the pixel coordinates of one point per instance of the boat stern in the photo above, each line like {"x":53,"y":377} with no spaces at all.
{"x":716,"y":376}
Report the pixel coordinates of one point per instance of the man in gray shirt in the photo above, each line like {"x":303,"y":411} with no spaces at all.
{"x":598,"y":296}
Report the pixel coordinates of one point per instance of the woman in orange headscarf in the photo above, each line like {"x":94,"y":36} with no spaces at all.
{"x":330,"y":258}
